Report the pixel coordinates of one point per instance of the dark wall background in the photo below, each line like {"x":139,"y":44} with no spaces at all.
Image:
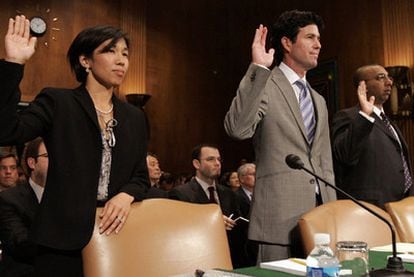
{"x":196,"y":54}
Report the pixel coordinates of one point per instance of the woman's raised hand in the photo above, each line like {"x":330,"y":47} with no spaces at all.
{"x":18,"y":44}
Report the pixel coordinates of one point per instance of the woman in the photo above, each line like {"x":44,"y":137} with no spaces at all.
{"x":97,"y":144}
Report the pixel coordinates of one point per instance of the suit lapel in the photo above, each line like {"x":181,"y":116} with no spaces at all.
{"x":85,"y":101}
{"x":198,"y":192}
{"x":381,"y":125}
{"x":28,"y":199}
{"x":286,"y":89}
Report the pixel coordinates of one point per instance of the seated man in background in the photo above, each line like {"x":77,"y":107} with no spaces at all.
{"x":18,"y":206}
{"x":204,"y":188}
{"x":9,"y":174}
{"x":247,"y":177}
{"x":154,"y":174}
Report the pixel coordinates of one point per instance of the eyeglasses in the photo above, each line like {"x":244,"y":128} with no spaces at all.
{"x":212,"y":159}
{"x":45,"y":155}
{"x":382,"y":77}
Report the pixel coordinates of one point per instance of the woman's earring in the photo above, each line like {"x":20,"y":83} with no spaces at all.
{"x":87,"y":69}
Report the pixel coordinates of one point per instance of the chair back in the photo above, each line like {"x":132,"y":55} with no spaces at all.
{"x":345,"y":221}
{"x":161,"y":237}
{"x":402,"y":214}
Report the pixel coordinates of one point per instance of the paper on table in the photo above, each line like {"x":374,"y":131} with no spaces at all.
{"x":292,"y":266}
{"x":406,"y":258}
{"x":402,"y":247}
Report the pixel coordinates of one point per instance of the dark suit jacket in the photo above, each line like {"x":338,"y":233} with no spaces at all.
{"x":67,"y":121}
{"x":244,"y":203}
{"x":18,"y":206}
{"x":367,"y":158}
{"x":249,"y":248}
{"x":194,"y":193}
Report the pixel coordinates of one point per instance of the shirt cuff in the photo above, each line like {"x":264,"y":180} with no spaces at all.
{"x":368,"y":117}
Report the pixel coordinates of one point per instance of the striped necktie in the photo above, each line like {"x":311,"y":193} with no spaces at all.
{"x":408,"y":182}
{"x":306,"y":109}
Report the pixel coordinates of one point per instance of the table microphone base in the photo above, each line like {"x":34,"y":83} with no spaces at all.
{"x":387,"y":272}
{"x":394,"y":267}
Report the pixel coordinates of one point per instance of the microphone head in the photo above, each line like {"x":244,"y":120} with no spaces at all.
{"x":294,"y":161}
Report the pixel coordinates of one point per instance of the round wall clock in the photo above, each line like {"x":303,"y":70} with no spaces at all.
{"x":38,"y":26}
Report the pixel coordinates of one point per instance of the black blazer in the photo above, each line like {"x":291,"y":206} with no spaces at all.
{"x":18,"y":206}
{"x":244,"y":203}
{"x":67,"y":121}
{"x":194,"y":193}
{"x":367,"y":158}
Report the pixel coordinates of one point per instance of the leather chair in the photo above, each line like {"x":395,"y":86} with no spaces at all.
{"x":161,"y":237}
{"x":402,"y":214}
{"x":345,"y":220}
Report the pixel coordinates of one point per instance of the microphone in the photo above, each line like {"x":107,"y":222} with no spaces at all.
{"x":394,"y":265}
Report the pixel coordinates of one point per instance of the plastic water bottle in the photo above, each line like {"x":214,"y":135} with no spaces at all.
{"x":322,"y":262}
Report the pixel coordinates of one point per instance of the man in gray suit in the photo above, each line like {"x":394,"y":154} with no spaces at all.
{"x":284,"y":115}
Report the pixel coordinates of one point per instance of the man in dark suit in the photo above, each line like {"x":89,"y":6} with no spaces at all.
{"x":370,"y":154}
{"x":18,"y":206}
{"x":204,"y":189}
{"x":247,"y":177}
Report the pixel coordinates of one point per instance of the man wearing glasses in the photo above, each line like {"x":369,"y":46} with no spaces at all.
{"x":18,"y":206}
{"x":370,"y":154}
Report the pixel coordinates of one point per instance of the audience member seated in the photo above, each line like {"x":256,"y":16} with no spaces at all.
{"x":247,"y":176}
{"x":231,"y":180}
{"x":167,"y":181}
{"x":8,"y":171}
{"x":154,"y":174}
{"x":204,"y":189}
{"x":18,"y":206}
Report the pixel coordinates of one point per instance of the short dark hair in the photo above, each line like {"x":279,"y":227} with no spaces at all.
{"x":360,"y":73}
{"x":87,"y":41}
{"x":9,"y":155}
{"x":197,"y":150}
{"x":288,"y":25}
{"x":31,"y":151}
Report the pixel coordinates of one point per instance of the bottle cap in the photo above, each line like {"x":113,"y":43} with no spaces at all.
{"x":322,"y":238}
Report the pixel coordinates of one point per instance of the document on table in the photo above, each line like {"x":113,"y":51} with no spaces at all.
{"x":293,"y":266}
{"x":402,"y":247}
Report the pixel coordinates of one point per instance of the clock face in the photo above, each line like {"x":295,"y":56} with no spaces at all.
{"x":38,"y":26}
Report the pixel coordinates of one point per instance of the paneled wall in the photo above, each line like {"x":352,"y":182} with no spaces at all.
{"x":191,"y":55}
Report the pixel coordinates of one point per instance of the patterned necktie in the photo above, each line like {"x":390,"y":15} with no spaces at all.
{"x":211,"y":197}
{"x":407,"y":175}
{"x":306,"y":109}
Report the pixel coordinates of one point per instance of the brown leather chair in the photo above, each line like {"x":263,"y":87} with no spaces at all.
{"x":345,"y":220}
{"x":161,"y":237}
{"x":402,"y":214}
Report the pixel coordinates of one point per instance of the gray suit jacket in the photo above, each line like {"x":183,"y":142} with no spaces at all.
{"x":266,"y":109}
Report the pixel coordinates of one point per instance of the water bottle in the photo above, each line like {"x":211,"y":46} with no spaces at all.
{"x":322,"y":262}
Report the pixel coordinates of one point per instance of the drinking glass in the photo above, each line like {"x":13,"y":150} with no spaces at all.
{"x":353,"y":258}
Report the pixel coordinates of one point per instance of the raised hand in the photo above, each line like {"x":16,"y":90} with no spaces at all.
{"x":18,"y":44}
{"x":259,"y":54}
{"x":367,"y":105}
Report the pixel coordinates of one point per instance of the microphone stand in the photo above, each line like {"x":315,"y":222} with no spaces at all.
{"x":395,"y":265}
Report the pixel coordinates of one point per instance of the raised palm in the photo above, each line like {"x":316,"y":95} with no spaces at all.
{"x":259,"y":53}
{"x":18,"y":44}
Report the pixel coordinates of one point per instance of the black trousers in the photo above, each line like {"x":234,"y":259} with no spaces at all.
{"x":51,"y":262}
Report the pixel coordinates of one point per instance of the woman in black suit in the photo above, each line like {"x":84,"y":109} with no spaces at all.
{"x":97,"y":144}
